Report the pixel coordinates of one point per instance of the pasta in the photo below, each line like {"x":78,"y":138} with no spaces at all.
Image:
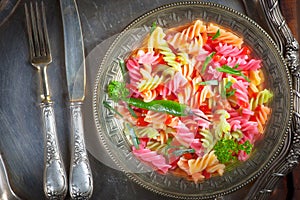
{"x":197,"y":100}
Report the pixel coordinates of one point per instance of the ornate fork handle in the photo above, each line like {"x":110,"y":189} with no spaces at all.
{"x":55,"y":180}
{"x":81,"y":181}
{"x":290,"y":152}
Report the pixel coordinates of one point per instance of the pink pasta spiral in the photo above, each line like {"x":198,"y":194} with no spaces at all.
{"x":230,"y":51}
{"x":134,"y":71}
{"x":241,"y":93}
{"x":146,"y":58}
{"x":184,"y":136}
{"x":173,"y":85}
{"x":146,"y":155}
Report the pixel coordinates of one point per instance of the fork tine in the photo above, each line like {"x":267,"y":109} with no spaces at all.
{"x":46,"y":36}
{"x":34,"y":30}
{"x":40,"y":27}
{"x":29,"y":31}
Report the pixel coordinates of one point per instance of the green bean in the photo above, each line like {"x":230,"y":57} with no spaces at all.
{"x":163,"y":106}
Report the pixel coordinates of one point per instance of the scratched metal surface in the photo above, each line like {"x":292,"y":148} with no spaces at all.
{"x":21,"y":137}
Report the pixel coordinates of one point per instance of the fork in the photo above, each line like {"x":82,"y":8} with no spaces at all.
{"x":54,"y":178}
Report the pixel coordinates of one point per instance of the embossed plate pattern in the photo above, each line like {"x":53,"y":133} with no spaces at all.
{"x":277,"y":77}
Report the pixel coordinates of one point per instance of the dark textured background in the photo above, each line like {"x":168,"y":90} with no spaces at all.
{"x":21,"y":140}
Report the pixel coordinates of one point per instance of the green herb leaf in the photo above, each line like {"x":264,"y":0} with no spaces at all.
{"x":131,"y":111}
{"x":227,"y":69}
{"x":135,"y":139}
{"x":210,"y":82}
{"x":228,"y":85}
{"x":153,"y":27}
{"x":169,"y":141}
{"x":207,"y":61}
{"x":236,"y":66}
{"x":106,"y":105}
{"x":123,"y":68}
{"x":218,"y":33}
{"x":230,"y":93}
{"x":183,"y":151}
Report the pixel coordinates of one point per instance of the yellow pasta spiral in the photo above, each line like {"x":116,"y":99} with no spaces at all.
{"x":208,"y":162}
{"x":149,"y":84}
{"x":262,"y":97}
{"x":225,"y":36}
{"x":157,"y":41}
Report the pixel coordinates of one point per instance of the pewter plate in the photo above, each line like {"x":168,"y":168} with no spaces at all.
{"x":277,"y":78}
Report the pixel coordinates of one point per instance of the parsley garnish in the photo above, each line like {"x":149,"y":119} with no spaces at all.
{"x":226,"y":150}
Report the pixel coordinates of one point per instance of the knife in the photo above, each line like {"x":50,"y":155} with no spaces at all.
{"x":80,"y":179}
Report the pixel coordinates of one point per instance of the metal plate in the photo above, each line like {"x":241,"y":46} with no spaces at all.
{"x":277,"y":79}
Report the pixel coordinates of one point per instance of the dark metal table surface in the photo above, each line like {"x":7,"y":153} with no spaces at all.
{"x":21,"y":141}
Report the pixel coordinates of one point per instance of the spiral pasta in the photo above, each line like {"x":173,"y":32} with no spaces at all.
{"x":189,"y":39}
{"x":261,"y":98}
{"x":157,"y":41}
{"x":208,"y":140}
{"x":211,"y":91}
{"x":208,"y":162}
{"x":225,"y":36}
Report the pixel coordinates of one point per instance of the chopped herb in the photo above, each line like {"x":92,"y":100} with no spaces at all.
{"x":132,"y":111}
{"x":210,"y":82}
{"x":229,"y":70}
{"x":218,"y":33}
{"x":169,"y":141}
{"x":236,"y":66}
{"x":230,"y":93}
{"x":228,"y":85}
{"x":135,"y":139}
{"x":153,"y":27}
{"x":123,"y":68}
{"x":223,"y":92}
{"x":183,"y":151}
{"x":207,"y":61}
{"x":106,"y":105}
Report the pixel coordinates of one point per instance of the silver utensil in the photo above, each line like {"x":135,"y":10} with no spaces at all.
{"x":55,"y":180}
{"x":6,"y":192}
{"x":80,"y":179}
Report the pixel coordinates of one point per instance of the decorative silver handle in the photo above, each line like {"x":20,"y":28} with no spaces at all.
{"x":81,"y":180}
{"x":55,"y":179}
{"x":289,"y":155}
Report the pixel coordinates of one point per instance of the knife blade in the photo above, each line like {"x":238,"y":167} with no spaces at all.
{"x":80,"y":179}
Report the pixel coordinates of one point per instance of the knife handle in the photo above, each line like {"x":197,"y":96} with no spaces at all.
{"x":55,"y":179}
{"x":81,"y":180}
